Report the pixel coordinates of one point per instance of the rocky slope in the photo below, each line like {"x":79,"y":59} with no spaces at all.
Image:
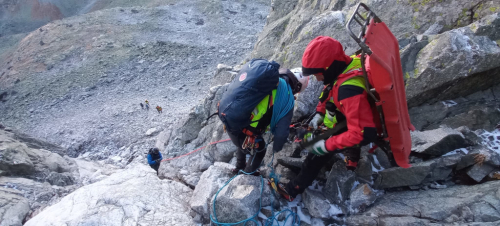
{"x":78,"y":82}
{"x":33,"y":175}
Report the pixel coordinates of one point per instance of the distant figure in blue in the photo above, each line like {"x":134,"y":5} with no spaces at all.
{"x":154,"y":158}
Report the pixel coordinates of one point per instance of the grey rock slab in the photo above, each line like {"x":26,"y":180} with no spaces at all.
{"x":339,"y":183}
{"x":437,"y":142}
{"x":435,"y":205}
{"x":18,"y":159}
{"x":488,"y":26}
{"x":60,"y":179}
{"x":361,"y":220}
{"x":362,"y":197}
{"x":466,"y":161}
{"x":364,"y":170}
{"x":479,"y":171}
{"x":13,"y":207}
{"x":409,"y":55}
{"x":439,"y":170}
{"x":109,"y":202}
{"x":308,"y":99}
{"x":318,"y":206}
{"x":481,"y":118}
{"x":399,"y":177}
{"x":241,"y":199}
{"x":396,"y":221}
{"x":209,"y":183}
{"x":484,"y":212}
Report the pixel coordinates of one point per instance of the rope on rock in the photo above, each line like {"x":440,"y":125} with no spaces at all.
{"x":216,"y":142}
{"x":274,"y":216}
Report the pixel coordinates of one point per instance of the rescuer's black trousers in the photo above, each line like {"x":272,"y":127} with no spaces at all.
{"x":312,"y":166}
{"x":255,"y":159}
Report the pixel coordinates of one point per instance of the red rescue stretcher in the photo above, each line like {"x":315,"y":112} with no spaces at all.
{"x":380,"y":52}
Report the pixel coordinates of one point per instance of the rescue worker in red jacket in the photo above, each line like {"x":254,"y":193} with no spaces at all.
{"x":343,"y":98}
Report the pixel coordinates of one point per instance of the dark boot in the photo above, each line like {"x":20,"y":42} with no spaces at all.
{"x":287,"y":193}
{"x":352,"y":156}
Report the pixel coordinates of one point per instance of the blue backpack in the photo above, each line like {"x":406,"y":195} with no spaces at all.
{"x":254,"y":82}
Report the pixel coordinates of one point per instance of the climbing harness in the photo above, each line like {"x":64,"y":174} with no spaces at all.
{"x":196,"y":150}
{"x":269,"y":221}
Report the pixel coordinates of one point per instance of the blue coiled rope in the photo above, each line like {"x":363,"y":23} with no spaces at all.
{"x":283,"y":104}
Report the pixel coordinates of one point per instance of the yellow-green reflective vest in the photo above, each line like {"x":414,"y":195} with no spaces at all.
{"x":261,"y":109}
{"x":330,"y":119}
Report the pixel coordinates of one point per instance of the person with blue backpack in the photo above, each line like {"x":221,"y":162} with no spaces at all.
{"x":154,"y":158}
{"x":260,"y":97}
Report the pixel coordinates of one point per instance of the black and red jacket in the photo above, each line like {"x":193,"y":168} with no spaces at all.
{"x":325,"y":55}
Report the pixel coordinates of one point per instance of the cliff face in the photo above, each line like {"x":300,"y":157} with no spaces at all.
{"x":443,"y":24}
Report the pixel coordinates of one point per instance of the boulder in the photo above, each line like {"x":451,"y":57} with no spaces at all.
{"x":306,"y":102}
{"x":441,"y":206}
{"x":479,"y":163}
{"x":210,"y":182}
{"x":480,"y":171}
{"x":399,"y":177}
{"x":15,"y":161}
{"x":409,"y":55}
{"x":365,"y":169}
{"x":488,"y":26}
{"x":221,"y":152}
{"x":437,"y":142}
{"x":339,"y":183}
{"x":152,"y":131}
{"x":475,"y":111}
{"x":19,"y":159}
{"x":318,"y":206}
{"x":481,"y":118}
{"x":447,"y":66}
{"x":362,"y":197}
{"x":286,"y":174}
{"x":485,"y":212}
{"x":109,"y":202}
{"x":39,"y":144}
{"x":13,"y":207}
{"x":60,"y":179}
{"x":241,"y":199}
{"x":34,"y":191}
